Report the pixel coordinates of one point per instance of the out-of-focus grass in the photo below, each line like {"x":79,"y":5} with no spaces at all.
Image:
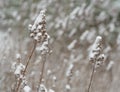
{"x":14,"y":19}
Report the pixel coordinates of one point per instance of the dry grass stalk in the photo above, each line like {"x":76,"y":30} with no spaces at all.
{"x":42,"y":72}
{"x":96,"y":57}
{"x":40,"y":36}
{"x":28,"y":61}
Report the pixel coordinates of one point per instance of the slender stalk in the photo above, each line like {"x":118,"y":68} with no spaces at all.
{"x":91,"y":78}
{"x":42,"y":71}
{"x":28,"y":60}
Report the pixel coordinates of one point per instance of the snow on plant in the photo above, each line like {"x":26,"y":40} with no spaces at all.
{"x":40,"y":36}
{"x":96,"y":57}
{"x":27,"y":89}
{"x":18,"y":69}
{"x":78,"y":23}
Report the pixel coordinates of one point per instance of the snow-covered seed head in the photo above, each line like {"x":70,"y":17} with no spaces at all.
{"x":38,"y":32}
{"x":38,"y":29}
{"x":96,"y":55}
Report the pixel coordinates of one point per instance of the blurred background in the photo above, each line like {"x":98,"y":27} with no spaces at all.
{"x":73,"y":26}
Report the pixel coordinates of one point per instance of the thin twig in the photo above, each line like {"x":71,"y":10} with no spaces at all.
{"x":91,"y":78}
{"x":42,"y":71}
{"x":28,"y":60}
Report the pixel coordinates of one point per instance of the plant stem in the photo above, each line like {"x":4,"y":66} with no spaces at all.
{"x":28,"y":60}
{"x":42,"y":71}
{"x":91,"y":78}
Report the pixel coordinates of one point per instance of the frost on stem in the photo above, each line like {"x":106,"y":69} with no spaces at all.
{"x":96,"y":55}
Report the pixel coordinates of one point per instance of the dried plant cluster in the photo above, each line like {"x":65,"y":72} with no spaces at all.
{"x":39,"y":35}
{"x":38,"y":29}
{"x":83,"y":35}
{"x":96,"y":56}
{"x":38,"y":32}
